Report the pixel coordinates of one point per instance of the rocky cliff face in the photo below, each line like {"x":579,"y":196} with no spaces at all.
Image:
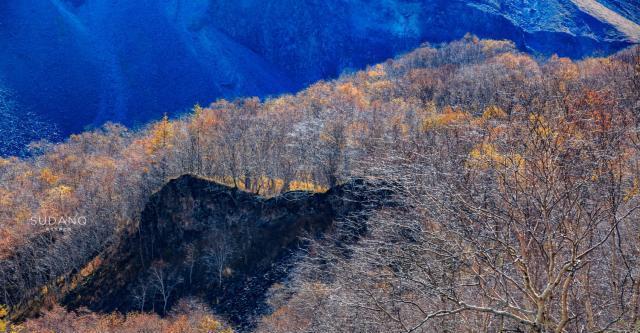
{"x":199,"y":238}
{"x":83,"y":62}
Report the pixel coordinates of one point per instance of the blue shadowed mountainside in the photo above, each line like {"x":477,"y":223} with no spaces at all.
{"x":79,"y":63}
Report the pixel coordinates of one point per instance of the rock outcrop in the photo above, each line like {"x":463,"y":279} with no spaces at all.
{"x":199,"y":238}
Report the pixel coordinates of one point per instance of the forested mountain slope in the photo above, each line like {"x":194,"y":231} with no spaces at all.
{"x":517,"y":181}
{"x":80,"y":63}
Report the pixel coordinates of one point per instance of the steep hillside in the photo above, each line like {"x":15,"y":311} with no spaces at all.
{"x":625,"y":26}
{"x":20,"y":126}
{"x":514,"y":176}
{"x":628,"y":9}
{"x":200,"y":238}
{"x":83,"y":62}
{"x":314,"y":39}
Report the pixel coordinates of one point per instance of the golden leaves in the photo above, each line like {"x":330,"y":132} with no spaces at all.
{"x":540,"y":125}
{"x":449,"y":116}
{"x":22,"y":214}
{"x":197,"y":110}
{"x":564,"y":68}
{"x":6,"y":198}
{"x":208,"y":324}
{"x":352,"y":95}
{"x":160,"y":137}
{"x":300,"y":185}
{"x":491,"y":46}
{"x":60,"y":191}
{"x":376,"y":72}
{"x":48,"y":177}
{"x":59,"y":201}
{"x":485,"y":156}
{"x":4,"y":324}
{"x":633,"y":191}
{"x":4,"y":162}
{"x":493,"y":112}
{"x":204,"y":119}
{"x":516,"y":62}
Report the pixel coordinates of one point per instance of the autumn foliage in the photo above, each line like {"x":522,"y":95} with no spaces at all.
{"x":504,"y":127}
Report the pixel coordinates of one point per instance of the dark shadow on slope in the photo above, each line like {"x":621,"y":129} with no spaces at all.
{"x":226,"y":246}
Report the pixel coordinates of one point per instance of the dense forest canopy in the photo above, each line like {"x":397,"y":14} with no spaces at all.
{"x":520,"y":179}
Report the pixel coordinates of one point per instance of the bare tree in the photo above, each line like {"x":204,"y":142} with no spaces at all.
{"x":499,"y":232}
{"x":217,"y":257}
{"x":139,"y":293}
{"x":164,"y":282}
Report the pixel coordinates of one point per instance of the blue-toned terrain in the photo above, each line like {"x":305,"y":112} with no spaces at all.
{"x":74,"y":64}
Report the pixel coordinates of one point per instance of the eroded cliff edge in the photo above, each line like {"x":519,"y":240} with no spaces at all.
{"x":225,"y":246}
